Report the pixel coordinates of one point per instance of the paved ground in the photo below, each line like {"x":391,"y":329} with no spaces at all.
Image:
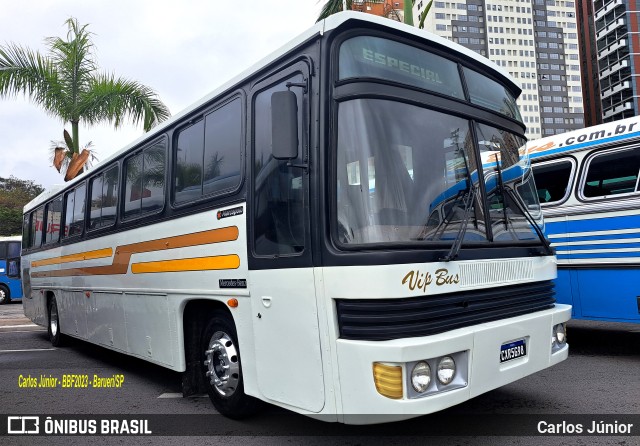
{"x":11,"y":314}
{"x":600,"y":377}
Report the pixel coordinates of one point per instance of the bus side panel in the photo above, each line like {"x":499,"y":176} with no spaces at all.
{"x":610,"y":294}
{"x":148,"y":327}
{"x":564,"y":290}
{"x":106,"y":320}
{"x":72,"y":311}
{"x":603,"y":243}
{"x":34,"y":307}
{"x":15,"y":288}
{"x":556,"y":230}
{"x":286,"y":335}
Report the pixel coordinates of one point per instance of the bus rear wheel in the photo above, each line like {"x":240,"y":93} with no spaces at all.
{"x":5,"y":297}
{"x":223,"y":370}
{"x":55,"y":336}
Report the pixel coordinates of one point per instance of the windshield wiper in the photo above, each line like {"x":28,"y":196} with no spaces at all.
{"x":530,"y":219}
{"x":500,"y":185}
{"x":447,"y":218}
{"x":457,"y":243}
{"x":521,"y":207}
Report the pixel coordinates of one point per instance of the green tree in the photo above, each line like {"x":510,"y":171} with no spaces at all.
{"x":14,"y":194}
{"x":66,"y":84}
{"x":333,"y":6}
{"x":423,"y":15}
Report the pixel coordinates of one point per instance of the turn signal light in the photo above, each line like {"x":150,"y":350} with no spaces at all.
{"x":388,"y":380}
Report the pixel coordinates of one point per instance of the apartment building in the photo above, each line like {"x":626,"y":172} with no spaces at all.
{"x":617,"y":36}
{"x":536,"y":41}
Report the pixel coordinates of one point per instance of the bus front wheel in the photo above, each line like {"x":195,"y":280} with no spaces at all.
{"x":223,"y":370}
{"x":5,"y":297}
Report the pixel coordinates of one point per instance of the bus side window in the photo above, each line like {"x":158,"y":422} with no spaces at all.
{"x":37,"y":224}
{"x":76,"y":220}
{"x":612,"y":173}
{"x":3,"y":250}
{"x":553,"y":180}
{"x":69,"y":200}
{"x":278,"y":188}
{"x":54,"y":212}
{"x":13,"y":249}
{"x":145,"y":176}
{"x":25,"y":230}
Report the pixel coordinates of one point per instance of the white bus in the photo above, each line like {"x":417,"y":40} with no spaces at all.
{"x":588,"y":182}
{"x":274,"y":241}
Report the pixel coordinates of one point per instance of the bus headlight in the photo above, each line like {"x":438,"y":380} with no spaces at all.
{"x":446,"y":370}
{"x":560,"y":335}
{"x":421,"y":377}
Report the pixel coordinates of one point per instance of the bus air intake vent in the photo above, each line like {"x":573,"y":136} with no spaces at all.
{"x":385,"y":319}
{"x":495,"y":272}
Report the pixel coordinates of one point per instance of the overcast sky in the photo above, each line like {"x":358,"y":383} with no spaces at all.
{"x":182,"y":49}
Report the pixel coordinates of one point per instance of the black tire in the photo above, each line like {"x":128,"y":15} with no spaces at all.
{"x":5,"y":295}
{"x":55,"y":336}
{"x":219,"y":348}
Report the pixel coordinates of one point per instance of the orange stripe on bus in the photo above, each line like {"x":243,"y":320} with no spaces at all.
{"x":89,"y":255}
{"x":120,"y":264}
{"x":231,"y":261}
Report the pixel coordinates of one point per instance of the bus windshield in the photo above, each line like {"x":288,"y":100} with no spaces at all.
{"x":406,"y":174}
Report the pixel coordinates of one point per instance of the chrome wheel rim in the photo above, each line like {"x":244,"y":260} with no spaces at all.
{"x":3,"y":296}
{"x":53,"y":320}
{"x":223,"y":366}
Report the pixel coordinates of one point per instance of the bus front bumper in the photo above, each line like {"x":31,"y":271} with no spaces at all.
{"x":477,"y":350}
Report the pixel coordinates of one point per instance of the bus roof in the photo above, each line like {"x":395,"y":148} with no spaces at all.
{"x":585,"y":139}
{"x":12,"y":238}
{"x":320,"y":28}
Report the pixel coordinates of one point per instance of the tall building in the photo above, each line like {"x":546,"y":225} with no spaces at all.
{"x":617,"y":24}
{"x":536,"y":41}
{"x":589,"y":64}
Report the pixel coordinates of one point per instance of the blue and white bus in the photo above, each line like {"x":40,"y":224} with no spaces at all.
{"x":587,"y":182}
{"x":10,"y":286}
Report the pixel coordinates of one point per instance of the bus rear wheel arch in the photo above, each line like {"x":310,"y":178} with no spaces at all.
{"x":222,"y":368}
{"x":5,"y":294}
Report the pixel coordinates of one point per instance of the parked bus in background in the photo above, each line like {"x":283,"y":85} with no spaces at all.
{"x":10,"y":286}
{"x":587,"y":182}
{"x":274,"y":241}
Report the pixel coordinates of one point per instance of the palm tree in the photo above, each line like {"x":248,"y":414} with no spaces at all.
{"x":423,"y":16}
{"x":333,"y":6}
{"x":66,"y":84}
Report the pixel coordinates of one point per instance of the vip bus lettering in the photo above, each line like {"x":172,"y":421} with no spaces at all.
{"x":444,"y":278}
{"x":417,"y":280}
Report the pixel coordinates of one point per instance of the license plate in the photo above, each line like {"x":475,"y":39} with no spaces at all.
{"x":513,"y":350}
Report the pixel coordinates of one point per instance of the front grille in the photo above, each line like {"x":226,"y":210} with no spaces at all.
{"x":384,"y":319}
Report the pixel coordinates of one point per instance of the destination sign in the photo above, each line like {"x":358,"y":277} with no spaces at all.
{"x":375,"y":57}
{"x":401,"y":65}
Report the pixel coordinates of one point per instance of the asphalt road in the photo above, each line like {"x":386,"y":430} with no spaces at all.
{"x":601,"y":376}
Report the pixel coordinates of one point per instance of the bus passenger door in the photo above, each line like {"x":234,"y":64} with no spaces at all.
{"x":288,"y":359}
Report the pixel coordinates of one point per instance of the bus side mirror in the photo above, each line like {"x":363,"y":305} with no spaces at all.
{"x":284,"y":125}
